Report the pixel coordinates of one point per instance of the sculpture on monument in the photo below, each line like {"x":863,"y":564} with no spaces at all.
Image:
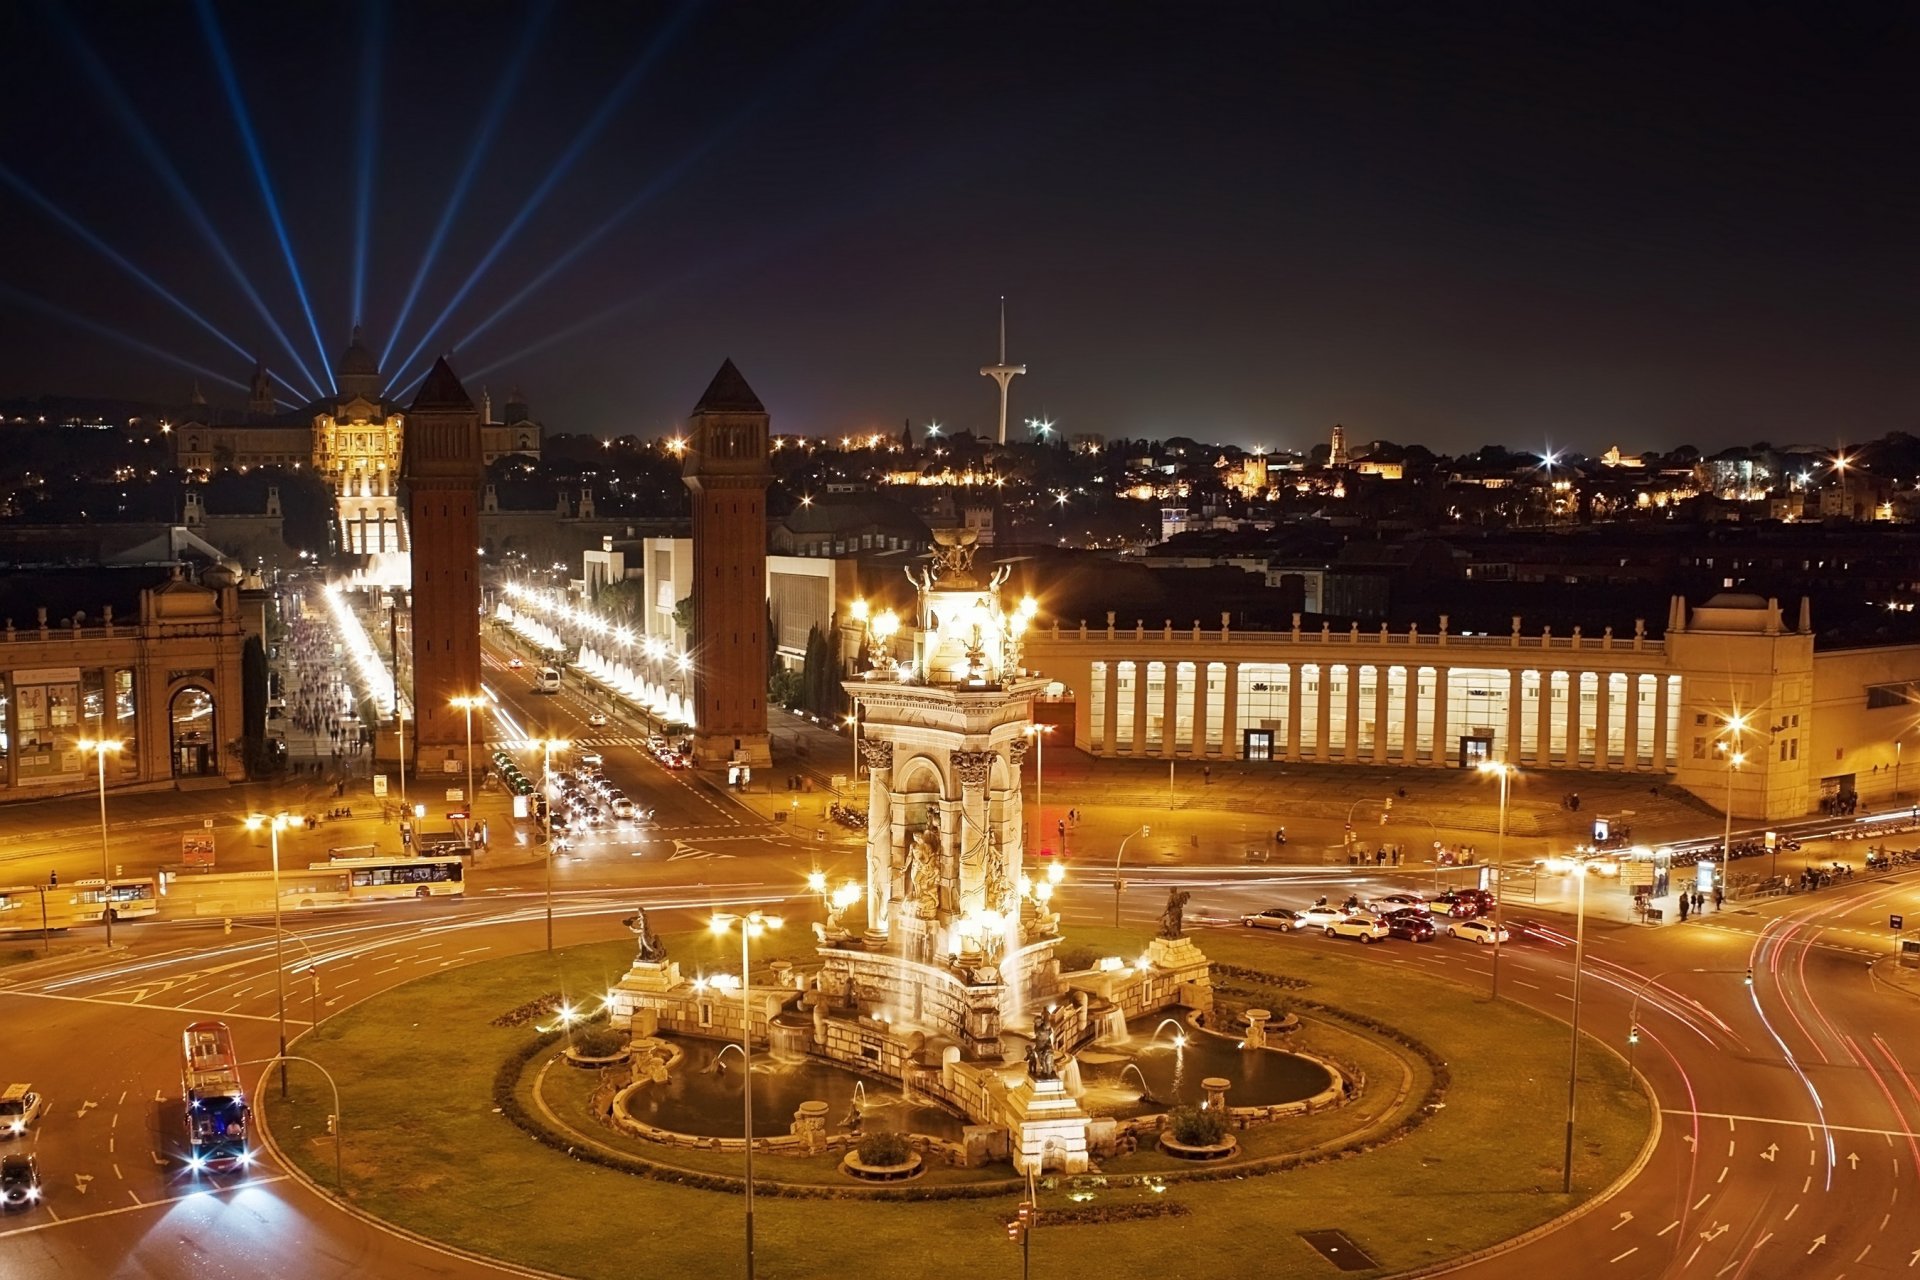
{"x":922,"y":878}
{"x":1171,"y":919}
{"x":1040,"y":1064}
{"x":652,"y":950}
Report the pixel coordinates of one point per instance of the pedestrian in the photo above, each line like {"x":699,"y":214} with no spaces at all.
{"x":1206,"y":774}
{"x":1685,"y":905}
{"x":1699,"y":901}
{"x":53,"y":879}
{"x":1719,"y":897}
{"x":1396,"y":855}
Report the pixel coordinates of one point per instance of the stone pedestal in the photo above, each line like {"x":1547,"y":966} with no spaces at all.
{"x":1187,"y":964}
{"x":1215,"y":1087}
{"x":652,"y":976}
{"x":810,"y":1126}
{"x":1257,"y":1020}
{"x":1048,"y":1128}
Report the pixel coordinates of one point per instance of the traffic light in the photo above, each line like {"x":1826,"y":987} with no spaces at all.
{"x":1021,"y":1223}
{"x":1749,"y":975}
{"x":1389,"y":804}
{"x":1633,"y":1035}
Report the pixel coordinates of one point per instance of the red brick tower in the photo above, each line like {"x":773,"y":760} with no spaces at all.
{"x":727,"y":470}
{"x":441,"y":472}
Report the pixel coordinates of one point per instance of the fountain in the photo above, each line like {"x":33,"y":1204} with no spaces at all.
{"x":1146,"y":1090}
{"x":959,"y":942}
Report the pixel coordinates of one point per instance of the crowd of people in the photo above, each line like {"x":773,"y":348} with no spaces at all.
{"x":318,"y":700}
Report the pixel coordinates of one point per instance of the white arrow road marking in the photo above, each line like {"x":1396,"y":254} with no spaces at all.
{"x":85,"y":1107}
{"x":1914,"y":1261}
{"x":80,"y":1181}
{"x":156,"y":1159}
{"x":1771,"y":1152}
{"x":158,"y":1096}
{"x":1691,"y":1141}
{"x":1719,"y":1229}
{"x":1626,"y":1216}
{"x":1853,"y":1159}
{"x":1817,"y":1242}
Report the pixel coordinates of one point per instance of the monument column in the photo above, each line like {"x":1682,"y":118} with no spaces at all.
{"x":1202,"y":675}
{"x":1139,"y":707}
{"x":1169,"y":709}
{"x":1660,"y":717}
{"x":1443,"y":745}
{"x":1410,"y":714}
{"x":1543,"y":721}
{"x":972,"y":769}
{"x":1602,"y":719}
{"x":1351,"y":751}
{"x":1574,"y":693}
{"x":1293,"y":711}
{"x":1510,"y":749}
{"x":881,"y":852}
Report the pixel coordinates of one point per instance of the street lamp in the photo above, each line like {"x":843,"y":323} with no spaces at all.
{"x":1736,"y":725}
{"x":101,"y":748}
{"x":1143,"y":831}
{"x":467,"y":704}
{"x":274,"y":825}
{"x":547,"y":747}
{"x":1506,"y":772}
{"x":752,"y":925}
{"x":1039,"y":732}
{"x":1573,"y":1054}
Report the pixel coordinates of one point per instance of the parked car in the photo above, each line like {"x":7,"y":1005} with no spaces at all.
{"x":1319,"y":916}
{"x":1484,"y":932}
{"x":19,"y":1181}
{"x":1273,"y":918}
{"x":1368,"y":929}
{"x":1414,"y":926}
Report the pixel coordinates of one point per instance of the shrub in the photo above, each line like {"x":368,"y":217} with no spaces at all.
{"x":599,"y":1042}
{"x":1197,"y":1126}
{"x":884,"y":1147}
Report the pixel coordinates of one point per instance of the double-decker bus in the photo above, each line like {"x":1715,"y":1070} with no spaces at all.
{"x":371,"y":879}
{"x":216,"y":1105}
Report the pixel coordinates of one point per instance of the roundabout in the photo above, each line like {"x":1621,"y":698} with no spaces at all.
{"x":486,"y":1137}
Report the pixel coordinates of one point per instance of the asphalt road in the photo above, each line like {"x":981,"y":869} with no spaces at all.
{"x":1789,"y":1145}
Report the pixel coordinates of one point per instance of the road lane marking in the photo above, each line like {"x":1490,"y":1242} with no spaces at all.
{"x":1628,"y":1254}
{"x":122,"y":1102}
{"x":138,"y":1203}
{"x":155,"y":1008}
{"x":1670,"y":1226}
{"x":1791,"y":1212}
{"x":1722,"y":1177}
{"x":118,"y":1174}
{"x":1890,"y":1134}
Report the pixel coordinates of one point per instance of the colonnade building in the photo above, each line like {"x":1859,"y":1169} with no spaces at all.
{"x":1728,"y":678}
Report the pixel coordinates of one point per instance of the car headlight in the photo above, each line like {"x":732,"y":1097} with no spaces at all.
{"x":33,"y":1193}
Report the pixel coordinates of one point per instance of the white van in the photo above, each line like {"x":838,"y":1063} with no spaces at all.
{"x":548,"y":681}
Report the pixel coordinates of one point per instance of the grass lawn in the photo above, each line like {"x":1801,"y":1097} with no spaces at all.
{"x":425,"y":1148}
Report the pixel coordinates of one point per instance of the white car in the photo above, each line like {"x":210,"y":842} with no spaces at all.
{"x":20,"y":1106}
{"x":597,"y":719}
{"x":1368,"y":929}
{"x":1484,"y":932}
{"x":1319,"y":917}
{"x":1273,"y":918}
{"x":1395,"y":901}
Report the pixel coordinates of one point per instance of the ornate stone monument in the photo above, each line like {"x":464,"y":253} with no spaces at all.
{"x":1048,"y":1125}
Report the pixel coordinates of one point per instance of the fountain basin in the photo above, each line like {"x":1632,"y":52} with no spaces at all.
{"x":911,"y":1167}
{"x":1172,"y":1073}
{"x":698,"y":1101}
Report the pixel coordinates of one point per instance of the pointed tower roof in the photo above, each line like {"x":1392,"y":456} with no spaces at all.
{"x":729,"y":393}
{"x":356,"y":359}
{"x":441,"y":390}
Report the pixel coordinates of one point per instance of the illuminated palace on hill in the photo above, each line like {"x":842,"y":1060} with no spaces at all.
{"x":354,"y":440}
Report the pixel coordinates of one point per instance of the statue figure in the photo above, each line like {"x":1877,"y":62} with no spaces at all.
{"x":1040,"y":1064}
{"x":922,"y":885}
{"x":1170,"y":919}
{"x":652,"y":950}
{"x":999,"y":888}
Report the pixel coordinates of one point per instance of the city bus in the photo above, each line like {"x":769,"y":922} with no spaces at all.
{"x":216,"y":1105}
{"x":373,"y":879}
{"x":250,"y":893}
{"x":131,"y":899}
{"x":34,"y":908}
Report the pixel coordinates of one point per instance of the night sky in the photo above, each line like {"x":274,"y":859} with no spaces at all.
{"x":1450,"y":224}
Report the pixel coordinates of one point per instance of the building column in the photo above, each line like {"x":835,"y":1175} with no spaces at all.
{"x":1574,"y":716}
{"x":1543,"y":721}
{"x":1630,"y":757}
{"x":1230,"y":714}
{"x":1293,"y":712}
{"x":1169,"y":704}
{"x":1660,"y":723}
{"x":1139,"y":707}
{"x":1510,"y":749}
{"x":1602,"y":719}
{"x":1410,"y":715}
{"x":881,"y":827}
{"x":1352,"y":709}
{"x":1380,"y":673}
{"x":1202,"y":674}
{"x":1323,"y":714}
{"x":1110,"y":730}
{"x":1443,"y":744}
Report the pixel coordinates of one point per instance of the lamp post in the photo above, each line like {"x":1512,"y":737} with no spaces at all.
{"x":752,"y":925}
{"x":467,"y":704}
{"x":1573,"y":1054}
{"x":101,"y":748}
{"x":547,"y":747}
{"x":1730,"y":748}
{"x":1039,"y":732}
{"x":1506,"y":772}
{"x":273,"y":826}
{"x":1143,"y":831}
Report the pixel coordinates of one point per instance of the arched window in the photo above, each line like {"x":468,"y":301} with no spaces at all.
{"x":195,"y":741}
